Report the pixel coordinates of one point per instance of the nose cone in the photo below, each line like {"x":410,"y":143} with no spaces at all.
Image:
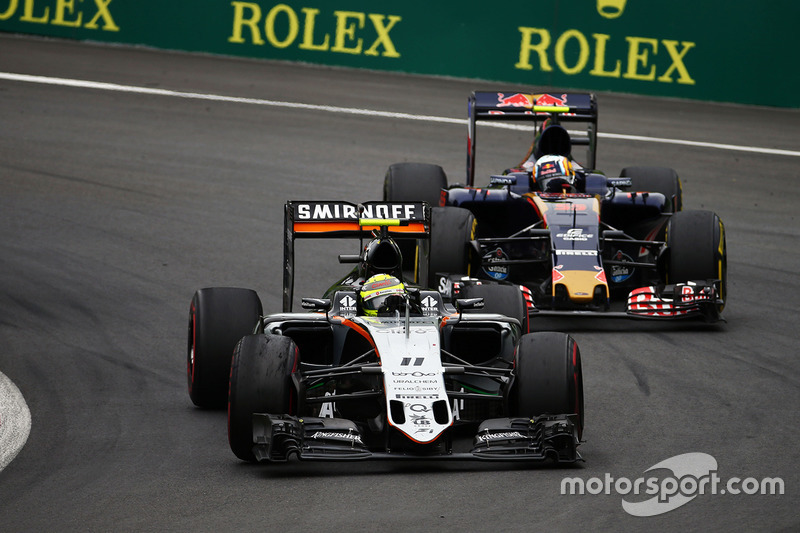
{"x":581,"y":285}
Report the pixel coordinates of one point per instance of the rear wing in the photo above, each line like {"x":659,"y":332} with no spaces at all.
{"x":337,"y":220}
{"x":535,"y":108}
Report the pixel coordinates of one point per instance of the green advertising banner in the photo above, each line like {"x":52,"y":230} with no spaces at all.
{"x":728,"y":52}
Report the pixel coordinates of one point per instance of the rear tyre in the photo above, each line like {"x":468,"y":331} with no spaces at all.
{"x":697,"y":249}
{"x":218,"y":318}
{"x":505,"y":300}
{"x":260,"y":382}
{"x":413,"y":182}
{"x":548,"y":378}
{"x":452,"y":229}
{"x":657,"y":179}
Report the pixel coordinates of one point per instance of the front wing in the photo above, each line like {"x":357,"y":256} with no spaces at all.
{"x":277,"y":437}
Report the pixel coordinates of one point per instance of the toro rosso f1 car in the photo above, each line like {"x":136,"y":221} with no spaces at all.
{"x":575,"y":240}
{"x":380,"y":367}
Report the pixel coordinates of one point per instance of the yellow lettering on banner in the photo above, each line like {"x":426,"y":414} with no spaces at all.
{"x":583,"y":56}
{"x":308,"y":32}
{"x":526,"y":47}
{"x":638,"y":57}
{"x":12,"y":8}
{"x":347,"y":30}
{"x":383,"y":36}
{"x":61,"y":7}
{"x":239,"y":21}
{"x":677,"y":62}
{"x":102,"y":11}
{"x":27,"y":15}
{"x":269,"y":26}
{"x":600,"y":58}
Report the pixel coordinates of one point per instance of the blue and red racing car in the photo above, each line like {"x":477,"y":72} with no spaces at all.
{"x":573,"y":239}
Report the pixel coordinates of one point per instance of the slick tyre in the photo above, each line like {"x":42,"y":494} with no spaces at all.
{"x":505,"y":300}
{"x":548,"y":378}
{"x":452,"y":229}
{"x":657,"y":179}
{"x":413,"y":182}
{"x":697,"y":249}
{"x":260,"y":382}
{"x":218,"y":318}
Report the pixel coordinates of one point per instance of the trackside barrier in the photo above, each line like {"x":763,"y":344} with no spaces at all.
{"x":728,"y":52}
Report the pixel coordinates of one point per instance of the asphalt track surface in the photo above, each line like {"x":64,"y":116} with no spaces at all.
{"x":115,"y":207}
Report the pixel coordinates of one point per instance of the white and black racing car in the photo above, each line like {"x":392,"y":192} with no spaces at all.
{"x":380,"y":367}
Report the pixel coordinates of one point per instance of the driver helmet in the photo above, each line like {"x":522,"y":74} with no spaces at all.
{"x":553,"y":173}
{"x":381,"y":292}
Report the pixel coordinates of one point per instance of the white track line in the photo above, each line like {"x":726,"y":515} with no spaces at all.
{"x":15,"y":421}
{"x":66,"y":82}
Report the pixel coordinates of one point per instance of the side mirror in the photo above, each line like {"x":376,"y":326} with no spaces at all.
{"x":468,"y":303}
{"x":316,"y":304}
{"x":349,"y":258}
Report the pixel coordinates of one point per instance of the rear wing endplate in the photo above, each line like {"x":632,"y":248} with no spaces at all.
{"x":337,"y":220}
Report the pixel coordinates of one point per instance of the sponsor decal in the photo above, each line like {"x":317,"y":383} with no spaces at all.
{"x":500,"y":436}
{"x":643,"y":59}
{"x":66,"y":13}
{"x":414,"y":374}
{"x":430,"y":306}
{"x":498,"y":272}
{"x":347,"y":305}
{"x":621,"y":273}
{"x":611,"y":9}
{"x":327,"y":409}
{"x":576,"y":252}
{"x":346,"y":211}
{"x":575,"y":234}
{"x":337,"y":435}
{"x":445,"y":286}
{"x":530,"y":100}
{"x":356,"y":33}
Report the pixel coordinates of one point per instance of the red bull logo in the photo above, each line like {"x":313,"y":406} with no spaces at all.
{"x":514,"y":100}
{"x":530,"y":100}
{"x":550,"y":100}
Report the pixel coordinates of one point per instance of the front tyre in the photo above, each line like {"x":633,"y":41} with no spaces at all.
{"x":260,"y":382}
{"x":697,"y":249}
{"x":548,"y":378}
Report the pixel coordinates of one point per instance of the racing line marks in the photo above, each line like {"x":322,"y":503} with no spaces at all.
{"x":66,"y":82}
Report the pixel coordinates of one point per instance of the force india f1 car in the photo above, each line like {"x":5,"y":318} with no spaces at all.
{"x":580,"y":247}
{"x":346,"y":380}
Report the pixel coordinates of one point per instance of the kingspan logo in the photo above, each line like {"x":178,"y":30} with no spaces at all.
{"x":691,"y":475}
